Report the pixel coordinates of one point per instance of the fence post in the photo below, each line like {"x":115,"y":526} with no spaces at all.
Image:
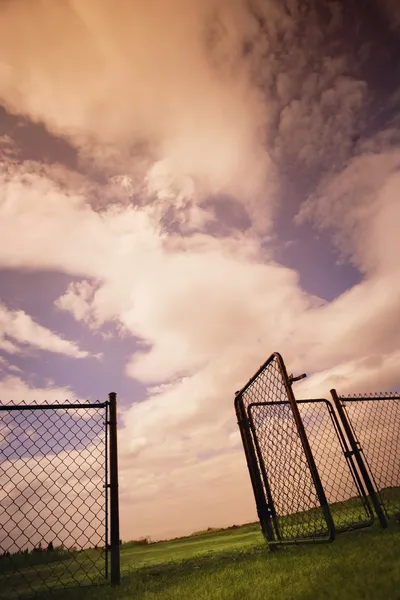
{"x":114,"y":500}
{"x":252,"y":465}
{"x":360,"y":461}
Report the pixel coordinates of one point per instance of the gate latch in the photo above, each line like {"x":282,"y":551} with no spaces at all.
{"x":292,"y":378}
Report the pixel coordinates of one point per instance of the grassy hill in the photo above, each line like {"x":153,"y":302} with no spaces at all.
{"x":235,"y":564}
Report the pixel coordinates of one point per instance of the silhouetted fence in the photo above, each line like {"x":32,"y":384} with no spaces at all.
{"x":317,"y":467}
{"x":58,"y":496}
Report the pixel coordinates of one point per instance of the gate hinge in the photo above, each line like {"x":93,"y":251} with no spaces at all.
{"x":269,"y":511}
{"x":348,"y":453}
{"x":106,"y":485}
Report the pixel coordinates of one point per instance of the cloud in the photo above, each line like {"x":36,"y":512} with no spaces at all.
{"x":15,"y":389}
{"x":220,"y":104}
{"x":200,"y":118}
{"x":52,"y":492}
{"x":207,"y":311}
{"x":8,"y":148}
{"x":392,"y":10}
{"x":319,"y":126}
{"x":372,"y":374}
{"x":77,"y":300}
{"x":360,"y":205}
{"x":7,"y":367}
{"x":24,"y":331}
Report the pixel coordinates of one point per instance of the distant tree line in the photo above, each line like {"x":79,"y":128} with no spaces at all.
{"x":39,"y":554}
{"x":39,"y":548}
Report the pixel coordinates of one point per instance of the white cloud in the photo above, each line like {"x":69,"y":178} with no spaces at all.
{"x":77,"y":300}
{"x":211,"y":309}
{"x":203,"y":119}
{"x":7,"y":366}
{"x":360,"y":205}
{"x":374,"y":373}
{"x":24,"y":331}
{"x":14,"y":389}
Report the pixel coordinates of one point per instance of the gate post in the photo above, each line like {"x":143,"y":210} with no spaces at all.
{"x":307,"y":450}
{"x":114,"y":500}
{"x":262,"y":509}
{"x":360,"y":461}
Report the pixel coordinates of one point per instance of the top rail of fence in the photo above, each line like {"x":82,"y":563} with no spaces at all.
{"x":43,"y":406}
{"x":369,"y":396}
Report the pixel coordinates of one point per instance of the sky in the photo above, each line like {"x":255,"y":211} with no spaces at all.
{"x":185,"y":188}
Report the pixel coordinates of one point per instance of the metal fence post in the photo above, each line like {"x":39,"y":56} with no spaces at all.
{"x":251,"y":459}
{"x":114,"y":500}
{"x":360,"y":461}
{"x":106,"y":487}
{"x":307,"y":450}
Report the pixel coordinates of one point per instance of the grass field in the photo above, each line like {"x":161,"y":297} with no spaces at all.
{"x":236,"y":564}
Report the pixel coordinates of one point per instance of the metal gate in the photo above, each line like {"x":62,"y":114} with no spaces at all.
{"x":307,"y":477}
{"x":290,"y":499}
{"x":345,"y":493}
{"x":58,"y":496}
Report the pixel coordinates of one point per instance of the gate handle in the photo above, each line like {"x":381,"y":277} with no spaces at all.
{"x":292,"y":379}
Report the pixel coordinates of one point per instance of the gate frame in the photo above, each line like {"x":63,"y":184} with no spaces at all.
{"x":347,"y":454}
{"x":266,"y":510}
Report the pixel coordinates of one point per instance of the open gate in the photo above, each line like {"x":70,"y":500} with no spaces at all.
{"x":305,"y":474}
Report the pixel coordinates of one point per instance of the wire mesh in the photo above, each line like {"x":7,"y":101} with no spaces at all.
{"x":375,"y":421}
{"x":282,"y":464}
{"x":297,"y":509}
{"x":344,"y":491}
{"x":343,"y":487}
{"x":52,"y":496}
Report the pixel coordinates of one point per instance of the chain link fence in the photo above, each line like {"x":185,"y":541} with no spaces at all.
{"x":345,"y":492}
{"x":54,"y":496}
{"x":375,"y":424}
{"x":318,"y":467}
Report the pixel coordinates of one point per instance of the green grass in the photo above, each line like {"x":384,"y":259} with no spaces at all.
{"x":236,"y":564}
{"x":347,"y":515}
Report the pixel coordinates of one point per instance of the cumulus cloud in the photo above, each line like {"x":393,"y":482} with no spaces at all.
{"x":360,"y":204}
{"x":207,"y":311}
{"x":199,"y":117}
{"x":78,"y":300}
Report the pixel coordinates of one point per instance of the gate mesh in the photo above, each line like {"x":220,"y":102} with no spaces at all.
{"x":281,"y":460}
{"x":350,"y":508}
{"x":53,"y":497}
{"x":375,"y":421}
{"x":298,"y":513}
{"x":343,"y":487}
